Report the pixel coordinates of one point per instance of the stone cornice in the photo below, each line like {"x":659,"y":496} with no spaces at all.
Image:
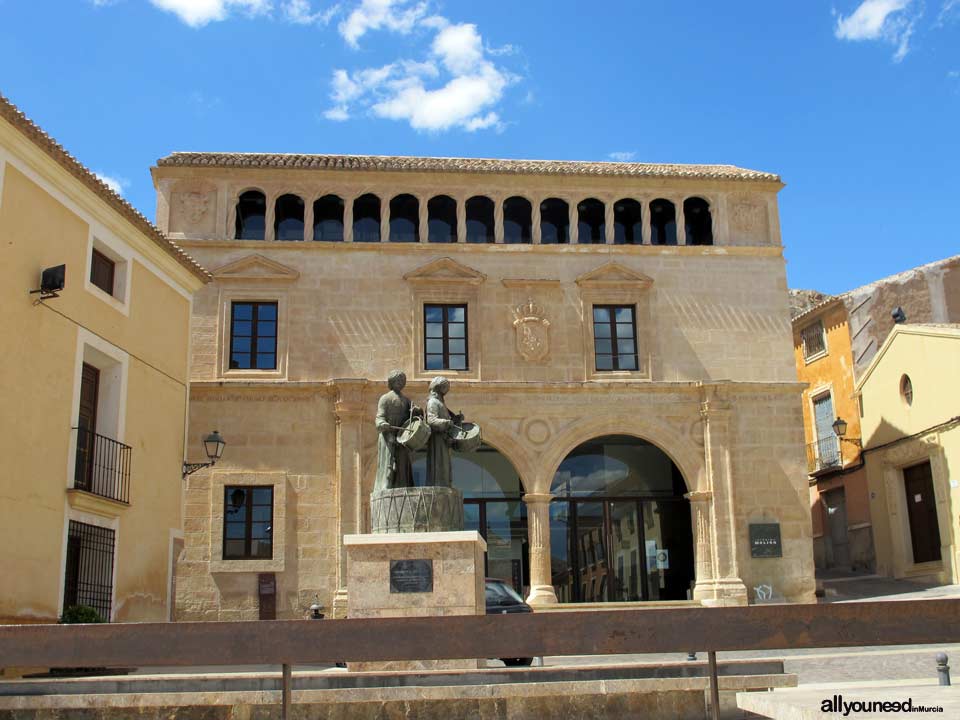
{"x":773,"y":251}
{"x":354,"y":163}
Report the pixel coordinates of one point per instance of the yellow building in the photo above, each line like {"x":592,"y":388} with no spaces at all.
{"x":840,"y":510}
{"x":911,"y":433}
{"x":94,"y":382}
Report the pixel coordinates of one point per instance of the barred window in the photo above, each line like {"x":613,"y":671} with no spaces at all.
{"x":88,"y":578}
{"x":814,"y":340}
{"x":615,"y":337}
{"x":247,"y":523}
{"x":445,"y":337}
{"x":253,"y":336}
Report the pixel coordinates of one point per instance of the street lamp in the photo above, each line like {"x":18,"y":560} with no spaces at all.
{"x":840,"y":429}
{"x":213,"y":445}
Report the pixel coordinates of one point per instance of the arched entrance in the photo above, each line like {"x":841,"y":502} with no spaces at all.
{"x":620,"y":527}
{"x":493,"y":505}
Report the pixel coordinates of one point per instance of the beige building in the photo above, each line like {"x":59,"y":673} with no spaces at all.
{"x":620,"y":331}
{"x":94,"y":382}
{"x":911,"y":449}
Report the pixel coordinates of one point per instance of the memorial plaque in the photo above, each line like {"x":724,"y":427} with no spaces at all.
{"x":411,"y":576}
{"x":765,"y":540}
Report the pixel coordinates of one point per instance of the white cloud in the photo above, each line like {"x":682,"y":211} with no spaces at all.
{"x":197,"y":13}
{"x":117,"y":184}
{"x":300,"y":12}
{"x":394,"y":15}
{"x":470,"y":85}
{"x":622,"y":156}
{"x":886,"y":20}
{"x":946,"y":10}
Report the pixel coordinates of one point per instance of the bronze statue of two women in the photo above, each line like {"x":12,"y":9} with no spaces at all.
{"x":401,"y":427}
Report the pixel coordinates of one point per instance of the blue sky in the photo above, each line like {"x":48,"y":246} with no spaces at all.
{"x":855,"y":103}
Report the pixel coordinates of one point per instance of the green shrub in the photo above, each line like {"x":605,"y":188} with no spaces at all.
{"x":80,"y":614}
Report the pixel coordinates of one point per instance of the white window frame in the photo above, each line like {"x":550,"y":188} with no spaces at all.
{"x":807,"y":359}
{"x":121,"y":255}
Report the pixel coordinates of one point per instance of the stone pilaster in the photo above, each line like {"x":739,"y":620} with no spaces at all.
{"x":726,"y":586}
{"x":538,"y":529}
{"x":384,"y":220}
{"x":704,"y":548}
{"x":461,"y":220}
{"x":423,"y":208}
{"x":350,"y":411}
{"x":573,"y":221}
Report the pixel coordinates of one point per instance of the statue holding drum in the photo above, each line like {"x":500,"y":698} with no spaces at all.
{"x":401,"y":427}
{"x":447,"y":430}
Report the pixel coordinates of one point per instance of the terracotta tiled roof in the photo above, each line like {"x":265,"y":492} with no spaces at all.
{"x":12,"y":114}
{"x":467,"y":165}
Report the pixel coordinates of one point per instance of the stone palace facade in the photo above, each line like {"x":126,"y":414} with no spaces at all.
{"x":620,"y":331}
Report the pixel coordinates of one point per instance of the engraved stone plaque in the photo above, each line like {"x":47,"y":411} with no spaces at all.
{"x":411,"y":576}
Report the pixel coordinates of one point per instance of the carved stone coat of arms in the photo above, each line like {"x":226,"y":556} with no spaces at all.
{"x":533,"y":331}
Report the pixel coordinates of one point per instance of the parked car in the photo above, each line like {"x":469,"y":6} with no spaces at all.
{"x":502,"y":599}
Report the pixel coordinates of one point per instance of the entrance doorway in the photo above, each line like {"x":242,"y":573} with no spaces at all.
{"x":922,"y":513}
{"x":492,"y":505}
{"x":620,"y":527}
{"x":838,"y":549}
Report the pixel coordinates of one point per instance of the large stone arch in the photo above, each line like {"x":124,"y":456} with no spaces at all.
{"x":504,"y":441}
{"x":687,"y":456}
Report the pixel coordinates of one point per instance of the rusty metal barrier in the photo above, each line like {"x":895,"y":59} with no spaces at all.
{"x":299,"y":642}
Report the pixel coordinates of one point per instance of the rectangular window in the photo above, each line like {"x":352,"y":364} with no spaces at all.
{"x":445,"y":337}
{"x":102,"y":271}
{"x":615,"y":337}
{"x":814,"y":340}
{"x":253,"y":336}
{"x":89,"y":568}
{"x":247,"y":523}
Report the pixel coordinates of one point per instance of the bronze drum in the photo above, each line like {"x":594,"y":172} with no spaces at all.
{"x":415,"y":434}
{"x":467,"y":437}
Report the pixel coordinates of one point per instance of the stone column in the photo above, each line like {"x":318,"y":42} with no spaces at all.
{"x":535,"y":235}
{"x":704,"y":547}
{"x":727,"y":587}
{"x":308,"y":220}
{"x":681,"y":223}
{"x":498,"y":220}
{"x":384,"y":220}
{"x":349,"y":484}
{"x":461,"y":220}
{"x":646,"y":220}
{"x":348,"y":219}
{"x":608,"y":221}
{"x":538,"y":530}
{"x":424,"y":209}
{"x":268,"y":230}
{"x":573,"y":219}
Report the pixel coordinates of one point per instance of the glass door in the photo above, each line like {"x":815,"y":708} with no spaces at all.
{"x":625,"y":540}
{"x":590,"y":548}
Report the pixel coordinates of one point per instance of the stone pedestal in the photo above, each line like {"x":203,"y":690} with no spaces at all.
{"x":415,"y":575}
{"x":416,"y":510}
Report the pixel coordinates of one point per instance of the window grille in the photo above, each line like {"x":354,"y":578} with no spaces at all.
{"x":814,"y":340}
{"x":89,"y":568}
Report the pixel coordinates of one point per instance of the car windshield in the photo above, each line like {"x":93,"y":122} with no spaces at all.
{"x":502,"y":594}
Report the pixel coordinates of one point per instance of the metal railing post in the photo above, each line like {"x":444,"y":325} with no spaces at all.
{"x":286,"y":693}
{"x":943,"y":670}
{"x":714,"y":686}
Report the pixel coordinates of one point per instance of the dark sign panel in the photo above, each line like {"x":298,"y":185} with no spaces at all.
{"x":411,"y":576}
{"x":765,"y":540}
